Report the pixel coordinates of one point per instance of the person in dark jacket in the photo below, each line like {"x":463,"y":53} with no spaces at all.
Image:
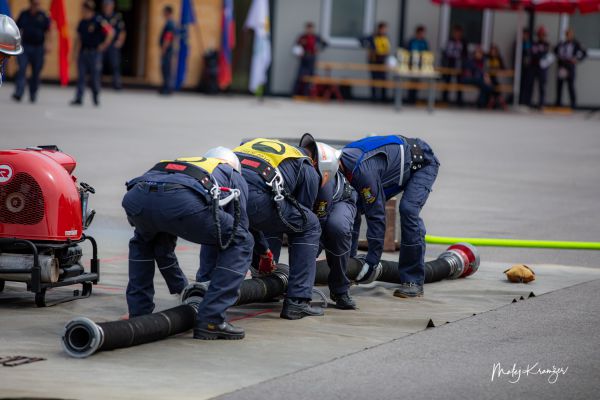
{"x":493,"y":65}
{"x":475,"y":73}
{"x":202,"y":200}
{"x":94,"y":35}
{"x":34,"y":24}
{"x":569,"y":53}
{"x":379,"y":168}
{"x":166,"y":42}
{"x":379,"y":48}
{"x":540,"y":62}
{"x":454,"y":56}
{"x":282,"y":188}
{"x":309,"y":44}
{"x":112,"y":54}
{"x":526,"y":69}
{"x":419,"y":44}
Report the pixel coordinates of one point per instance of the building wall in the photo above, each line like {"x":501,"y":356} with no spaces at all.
{"x":289,"y":23}
{"x":290,"y":16}
{"x":204,"y":35}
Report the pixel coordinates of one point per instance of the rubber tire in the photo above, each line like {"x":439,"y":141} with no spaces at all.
{"x":40,"y":298}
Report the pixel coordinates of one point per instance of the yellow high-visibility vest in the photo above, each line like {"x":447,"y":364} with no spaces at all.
{"x":206,"y":164}
{"x":272,"y":151}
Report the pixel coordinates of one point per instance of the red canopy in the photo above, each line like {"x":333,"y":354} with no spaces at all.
{"x":481,"y":4}
{"x":553,"y":6}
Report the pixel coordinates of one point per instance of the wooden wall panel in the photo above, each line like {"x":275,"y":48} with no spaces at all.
{"x":204,"y":35}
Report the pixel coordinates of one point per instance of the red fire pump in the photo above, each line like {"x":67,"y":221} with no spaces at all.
{"x":43,"y":213}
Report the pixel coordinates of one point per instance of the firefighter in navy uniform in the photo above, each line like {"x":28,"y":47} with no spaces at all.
{"x":34,"y":25}
{"x":166,"y":43}
{"x":202,"y":200}
{"x":10,"y":41}
{"x":94,"y":35}
{"x":282,"y":189}
{"x":112,"y":54}
{"x":336,"y":209}
{"x":380,"y":167}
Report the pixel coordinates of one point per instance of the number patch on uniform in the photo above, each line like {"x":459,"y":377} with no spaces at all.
{"x":367,"y":195}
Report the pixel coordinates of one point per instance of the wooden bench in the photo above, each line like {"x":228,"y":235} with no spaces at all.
{"x":331,"y":85}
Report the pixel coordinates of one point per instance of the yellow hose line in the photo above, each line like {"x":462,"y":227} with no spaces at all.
{"x":542,"y":244}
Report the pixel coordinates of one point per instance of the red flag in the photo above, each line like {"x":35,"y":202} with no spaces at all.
{"x":227,"y":45}
{"x":59,"y":15}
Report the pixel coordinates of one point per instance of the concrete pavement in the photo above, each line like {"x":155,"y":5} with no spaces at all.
{"x":526,"y":176}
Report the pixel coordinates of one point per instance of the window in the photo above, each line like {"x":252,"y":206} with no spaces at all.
{"x":471,"y":22}
{"x":344,"y":21}
{"x":587,"y":29}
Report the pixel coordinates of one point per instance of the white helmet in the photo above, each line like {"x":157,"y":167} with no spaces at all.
{"x":326,"y":157}
{"x":226,"y":155}
{"x":10,"y":37}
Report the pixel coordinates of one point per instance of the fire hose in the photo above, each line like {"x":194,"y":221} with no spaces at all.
{"x":541,"y":244}
{"x":83,"y":337}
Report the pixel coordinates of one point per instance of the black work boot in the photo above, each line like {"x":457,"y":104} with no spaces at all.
{"x":296,"y":309}
{"x":210,"y":331}
{"x":343,"y":301}
{"x":409,"y":289}
{"x":76,"y":102}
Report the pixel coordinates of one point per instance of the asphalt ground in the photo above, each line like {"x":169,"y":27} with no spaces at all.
{"x":547,"y":347}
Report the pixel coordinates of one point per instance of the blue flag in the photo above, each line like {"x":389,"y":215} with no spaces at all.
{"x":187,"y":17}
{"x":4,"y":8}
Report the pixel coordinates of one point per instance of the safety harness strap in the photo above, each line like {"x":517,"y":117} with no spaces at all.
{"x":213,"y":191}
{"x":187,"y":169}
{"x":261,"y":167}
{"x":417,"y":155}
{"x":273,"y":178}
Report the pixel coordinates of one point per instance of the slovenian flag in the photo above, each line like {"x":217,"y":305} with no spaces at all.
{"x":187,"y":17}
{"x":259,"y":21}
{"x":227,"y":44}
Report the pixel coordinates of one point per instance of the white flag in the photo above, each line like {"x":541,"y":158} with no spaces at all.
{"x":258,"y":20}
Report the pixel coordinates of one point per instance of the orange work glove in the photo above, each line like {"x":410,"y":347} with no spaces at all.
{"x":266,"y":265}
{"x":520,"y":274}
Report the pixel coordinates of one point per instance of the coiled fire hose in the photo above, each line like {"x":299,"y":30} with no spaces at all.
{"x":82,"y":337}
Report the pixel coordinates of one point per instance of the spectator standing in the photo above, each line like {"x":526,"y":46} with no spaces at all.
{"x":474,"y":73}
{"x":34,"y":25}
{"x":454,"y":56}
{"x":308,"y":45}
{"x":526,"y":68}
{"x":378,"y":47}
{"x":541,"y":59}
{"x":419,"y":44}
{"x":569,"y":52}
{"x":167,"y":40}
{"x":494,"y":64}
{"x":94,"y":35}
{"x":112,"y":54}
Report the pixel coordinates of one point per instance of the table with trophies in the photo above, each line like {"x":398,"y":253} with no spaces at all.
{"x":415,"y":66}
